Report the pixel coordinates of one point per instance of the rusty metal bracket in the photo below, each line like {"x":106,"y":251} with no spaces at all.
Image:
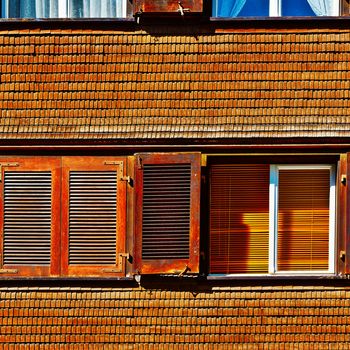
{"x":181,"y":9}
{"x":181,"y":274}
{"x":119,"y":268}
{"x":3,"y":165}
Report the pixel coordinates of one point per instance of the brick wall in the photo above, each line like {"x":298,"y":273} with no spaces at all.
{"x":271,"y":317}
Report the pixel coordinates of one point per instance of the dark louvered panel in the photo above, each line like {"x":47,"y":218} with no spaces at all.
{"x":92,"y":218}
{"x":27,"y":218}
{"x":166,"y":211}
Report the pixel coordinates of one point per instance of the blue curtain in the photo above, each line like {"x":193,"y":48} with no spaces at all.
{"x":229,"y":8}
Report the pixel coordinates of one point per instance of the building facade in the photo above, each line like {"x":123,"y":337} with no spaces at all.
{"x":174,"y":181}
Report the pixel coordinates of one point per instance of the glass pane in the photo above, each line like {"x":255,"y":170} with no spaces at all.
{"x":239,"y":218}
{"x":303,"y":220}
{"x":296,"y":8}
{"x":242,"y":8}
{"x":76,"y":9}
{"x":30,"y":9}
{"x":255,"y":8}
{"x":95,"y":8}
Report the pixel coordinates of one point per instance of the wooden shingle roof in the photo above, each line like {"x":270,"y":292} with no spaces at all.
{"x":144,"y":84}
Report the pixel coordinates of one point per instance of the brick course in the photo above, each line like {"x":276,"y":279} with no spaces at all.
{"x":278,"y":317}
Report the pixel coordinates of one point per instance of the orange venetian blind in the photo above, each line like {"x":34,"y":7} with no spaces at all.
{"x":239,"y":218}
{"x":303,"y":219}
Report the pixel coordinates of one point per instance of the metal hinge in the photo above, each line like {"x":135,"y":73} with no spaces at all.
{"x":181,"y":9}
{"x":121,"y":176}
{"x":8,"y":271}
{"x":343,"y":179}
{"x":139,"y":163}
{"x":2,"y":165}
{"x":119,"y":268}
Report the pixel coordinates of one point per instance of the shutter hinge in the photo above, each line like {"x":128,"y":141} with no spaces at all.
{"x":2,"y":165}
{"x":139,"y":163}
{"x":8,"y":271}
{"x":343,"y":179}
{"x":119,"y":268}
{"x":120,"y":163}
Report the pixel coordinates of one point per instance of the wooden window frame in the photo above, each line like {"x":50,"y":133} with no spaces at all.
{"x":52,"y":164}
{"x":176,"y":266}
{"x":95,"y":164}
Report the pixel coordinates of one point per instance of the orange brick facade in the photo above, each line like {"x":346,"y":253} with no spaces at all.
{"x":279,"y":317}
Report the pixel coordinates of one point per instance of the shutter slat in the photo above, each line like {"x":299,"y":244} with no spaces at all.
{"x":27,"y":218}
{"x":92,"y":217}
{"x":303,"y":219}
{"x":239,"y":218}
{"x":166,"y":211}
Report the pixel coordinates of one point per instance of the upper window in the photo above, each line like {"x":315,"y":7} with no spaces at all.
{"x":265,"y":8}
{"x":64,"y":8}
{"x":272,"y":219}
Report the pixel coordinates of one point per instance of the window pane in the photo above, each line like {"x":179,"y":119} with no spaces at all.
{"x":255,"y":8}
{"x":303,"y":219}
{"x":242,"y":8}
{"x":239,"y":218}
{"x":95,"y":9}
{"x":297,"y":8}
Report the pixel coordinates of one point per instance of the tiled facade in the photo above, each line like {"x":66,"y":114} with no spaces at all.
{"x":176,"y":82}
{"x":279,"y":317}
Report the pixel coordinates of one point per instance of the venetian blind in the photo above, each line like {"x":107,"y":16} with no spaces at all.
{"x":303,"y":219}
{"x":239,"y":218}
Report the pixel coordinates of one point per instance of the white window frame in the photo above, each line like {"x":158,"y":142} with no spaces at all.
{"x":273,"y":219}
{"x":275,"y":8}
{"x":63,"y":9}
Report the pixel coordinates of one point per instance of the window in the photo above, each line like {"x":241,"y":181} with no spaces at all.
{"x":272,"y":219}
{"x":63,"y":216}
{"x":64,"y":8}
{"x":265,"y":8}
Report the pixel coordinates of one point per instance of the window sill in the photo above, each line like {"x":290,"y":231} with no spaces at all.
{"x":306,"y":276}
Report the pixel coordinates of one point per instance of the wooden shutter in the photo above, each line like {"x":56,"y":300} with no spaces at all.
{"x":303,"y":219}
{"x":94,"y":207}
{"x":167,"y":213}
{"x":168,"y":6}
{"x":30,"y":225}
{"x":239,"y":218}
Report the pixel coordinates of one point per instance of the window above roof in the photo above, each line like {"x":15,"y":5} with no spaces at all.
{"x":64,"y":8}
{"x":275,"y":8}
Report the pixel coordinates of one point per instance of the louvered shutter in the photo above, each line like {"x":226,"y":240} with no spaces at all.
{"x":303,"y":219}
{"x":30,"y":225}
{"x":189,"y":7}
{"x":167,"y":213}
{"x":93,"y":222}
{"x":239,"y":218}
